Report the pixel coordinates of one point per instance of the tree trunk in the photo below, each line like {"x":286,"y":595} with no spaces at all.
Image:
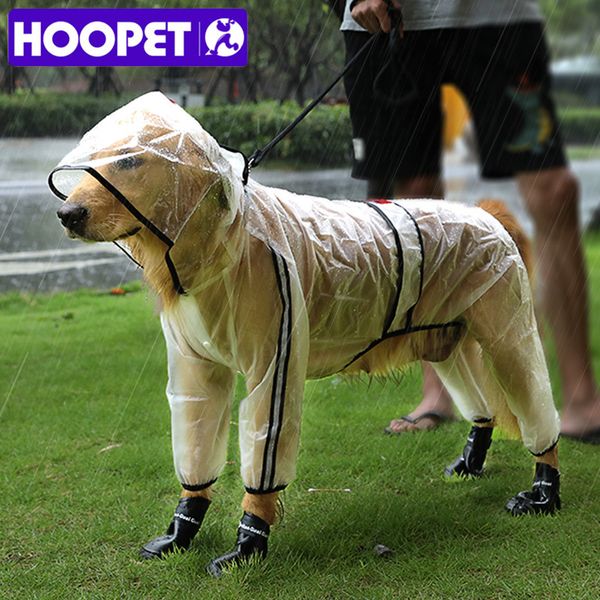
{"x":212,"y":88}
{"x":104,"y":80}
{"x":9,"y":80}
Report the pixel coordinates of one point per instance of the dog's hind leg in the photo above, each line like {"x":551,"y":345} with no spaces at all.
{"x":503,"y":322}
{"x":464,"y":376}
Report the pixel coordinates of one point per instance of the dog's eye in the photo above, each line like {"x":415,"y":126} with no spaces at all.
{"x":129,"y":162}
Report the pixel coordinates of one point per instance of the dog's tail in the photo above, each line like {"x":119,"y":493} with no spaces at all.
{"x":503,"y":416}
{"x":500,"y":212}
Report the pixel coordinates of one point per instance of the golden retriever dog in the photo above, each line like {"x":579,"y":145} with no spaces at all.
{"x":281,"y":287}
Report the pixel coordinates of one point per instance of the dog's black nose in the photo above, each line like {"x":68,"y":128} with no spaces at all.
{"x":73,"y":216}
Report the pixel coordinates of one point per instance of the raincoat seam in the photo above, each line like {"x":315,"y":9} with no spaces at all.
{"x":409,"y":312}
{"x":403,"y":331}
{"x":400,"y":257}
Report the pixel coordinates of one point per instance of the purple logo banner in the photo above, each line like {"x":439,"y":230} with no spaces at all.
{"x":128,"y":37}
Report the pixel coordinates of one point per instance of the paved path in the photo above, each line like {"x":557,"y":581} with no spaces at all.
{"x":35,"y":255}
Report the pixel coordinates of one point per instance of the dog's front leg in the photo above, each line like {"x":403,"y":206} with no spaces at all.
{"x":269,"y":423}
{"x":199,"y":393}
{"x":252,"y":534}
{"x":184,"y":526}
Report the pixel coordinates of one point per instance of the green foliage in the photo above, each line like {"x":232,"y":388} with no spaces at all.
{"x":572,"y":25}
{"x":323,"y":138}
{"x":580,"y":125}
{"x":43,"y":115}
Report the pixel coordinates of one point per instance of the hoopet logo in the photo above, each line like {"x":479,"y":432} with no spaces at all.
{"x":65,"y":37}
{"x":224,"y":37}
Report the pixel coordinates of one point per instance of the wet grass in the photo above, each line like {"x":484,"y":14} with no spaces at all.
{"x":87,"y":478}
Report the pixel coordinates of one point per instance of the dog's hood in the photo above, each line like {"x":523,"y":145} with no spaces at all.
{"x":193,"y":165}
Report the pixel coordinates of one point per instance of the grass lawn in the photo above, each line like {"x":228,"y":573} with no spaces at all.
{"x":87,"y":478}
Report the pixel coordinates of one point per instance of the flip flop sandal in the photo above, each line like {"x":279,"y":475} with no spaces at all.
{"x":591,"y":437}
{"x":438,"y":418}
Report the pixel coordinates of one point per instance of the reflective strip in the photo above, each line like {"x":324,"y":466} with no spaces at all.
{"x":280,"y":376}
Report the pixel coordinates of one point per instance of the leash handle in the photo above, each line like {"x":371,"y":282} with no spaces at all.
{"x":397,"y":22}
{"x":388,"y":96}
{"x":394,"y":13}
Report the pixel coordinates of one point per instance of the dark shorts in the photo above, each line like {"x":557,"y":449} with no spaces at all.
{"x":501,"y":71}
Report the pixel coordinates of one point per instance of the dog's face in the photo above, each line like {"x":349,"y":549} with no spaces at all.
{"x":164,"y":177}
{"x":92,"y":213}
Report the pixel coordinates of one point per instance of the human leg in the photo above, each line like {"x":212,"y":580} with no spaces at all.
{"x":397,"y":149}
{"x":552,"y":198}
{"x":514,"y":114}
{"x":436,"y":404}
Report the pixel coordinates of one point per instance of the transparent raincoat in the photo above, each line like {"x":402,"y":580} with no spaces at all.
{"x":281,"y":287}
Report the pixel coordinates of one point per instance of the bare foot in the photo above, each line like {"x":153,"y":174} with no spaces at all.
{"x":581,"y":418}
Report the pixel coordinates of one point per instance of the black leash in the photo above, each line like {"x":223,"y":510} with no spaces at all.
{"x":396,"y":33}
{"x":257,"y":156}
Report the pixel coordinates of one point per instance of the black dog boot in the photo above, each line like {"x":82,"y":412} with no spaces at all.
{"x":470,"y":463}
{"x":182,"y":529}
{"x":252,"y":539}
{"x":544,"y":497}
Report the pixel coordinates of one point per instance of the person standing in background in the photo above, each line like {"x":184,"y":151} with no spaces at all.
{"x":495,"y":54}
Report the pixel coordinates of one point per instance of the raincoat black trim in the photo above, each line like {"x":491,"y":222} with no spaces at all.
{"x":404,"y":331}
{"x":551,"y":447}
{"x":408,"y":328}
{"x":280,"y":376}
{"x":400,"y":257}
{"x":130,"y":207}
{"x":410,"y":311}
{"x":257,"y":492}
{"x":199,"y":487}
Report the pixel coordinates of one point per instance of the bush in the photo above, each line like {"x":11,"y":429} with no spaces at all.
{"x":323,"y":138}
{"x":45,"y":115}
{"x":580,"y":125}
